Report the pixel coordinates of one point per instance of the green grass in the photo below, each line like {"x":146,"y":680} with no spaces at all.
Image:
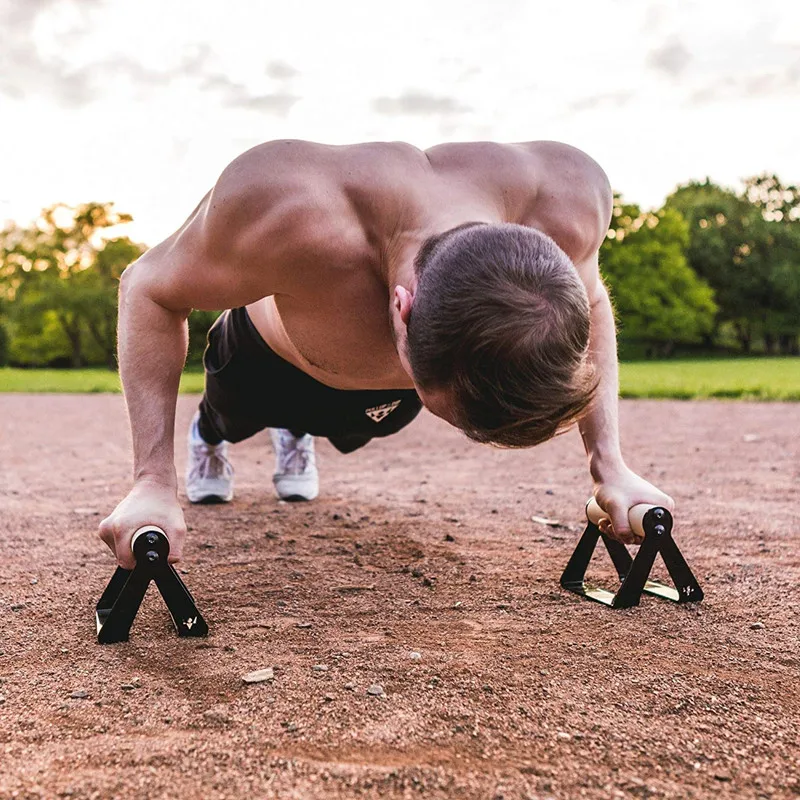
{"x":78,"y":380}
{"x":736,"y":378}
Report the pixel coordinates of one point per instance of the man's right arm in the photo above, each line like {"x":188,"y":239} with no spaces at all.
{"x":152,"y":348}
{"x":207,"y":264}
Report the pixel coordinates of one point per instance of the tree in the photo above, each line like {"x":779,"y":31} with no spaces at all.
{"x":776,"y":202}
{"x":745,"y":247}
{"x":59,"y":277}
{"x":659,"y":299}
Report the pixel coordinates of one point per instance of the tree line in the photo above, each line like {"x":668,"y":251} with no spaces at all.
{"x":713,"y":269}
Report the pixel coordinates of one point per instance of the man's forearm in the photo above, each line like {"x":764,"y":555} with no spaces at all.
{"x":600,"y":427}
{"x":152,"y":350}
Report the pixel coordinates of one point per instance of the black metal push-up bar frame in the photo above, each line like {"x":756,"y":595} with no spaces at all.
{"x":119,"y":603}
{"x":654,"y":525}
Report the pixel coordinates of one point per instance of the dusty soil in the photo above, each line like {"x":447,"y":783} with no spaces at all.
{"x":521,"y":691}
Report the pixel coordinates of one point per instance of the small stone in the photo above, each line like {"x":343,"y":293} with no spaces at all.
{"x":127,"y":687}
{"x":415,"y":656}
{"x":303,"y":625}
{"x":320,"y":668}
{"x":328,"y":698}
{"x":551,"y":523}
{"x":376,"y":690}
{"x":563,"y":736}
{"x":750,"y":437}
{"x":229,"y":648}
{"x":449,"y":537}
{"x":79,"y":694}
{"x":289,"y":727}
{"x":34,"y":581}
{"x":259,"y":676}
{"x":18,"y":606}
{"x":2,"y":699}
{"x":351,"y":687}
{"x":757,"y":626}
{"x":549,"y":491}
{"x":216,"y":716}
{"x":427,"y":582}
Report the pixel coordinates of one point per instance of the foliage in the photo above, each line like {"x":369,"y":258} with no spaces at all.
{"x":59,"y":278}
{"x":659,"y":299}
{"x":746,"y":247}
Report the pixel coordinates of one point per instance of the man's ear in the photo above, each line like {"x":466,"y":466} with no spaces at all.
{"x":403,"y":300}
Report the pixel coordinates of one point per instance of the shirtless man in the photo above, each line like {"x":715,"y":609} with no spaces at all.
{"x":361,"y":283}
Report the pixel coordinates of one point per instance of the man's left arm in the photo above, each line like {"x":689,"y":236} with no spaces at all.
{"x":616,"y":487}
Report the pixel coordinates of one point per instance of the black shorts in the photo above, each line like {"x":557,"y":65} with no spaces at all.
{"x":249,"y":387}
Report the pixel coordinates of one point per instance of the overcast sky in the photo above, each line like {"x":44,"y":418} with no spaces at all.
{"x":144,"y":102}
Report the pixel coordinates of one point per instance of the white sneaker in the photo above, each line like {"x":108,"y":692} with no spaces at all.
{"x":209,"y":474}
{"x":296,"y":476}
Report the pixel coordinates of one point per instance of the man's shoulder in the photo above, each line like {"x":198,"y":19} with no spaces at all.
{"x":573,"y":197}
{"x":286,"y":203}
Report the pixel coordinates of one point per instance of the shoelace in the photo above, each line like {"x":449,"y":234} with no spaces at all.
{"x":296,"y":455}
{"x":210,"y":462}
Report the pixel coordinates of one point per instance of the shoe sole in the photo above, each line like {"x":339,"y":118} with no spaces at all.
{"x":210,"y":500}
{"x":296,"y":498}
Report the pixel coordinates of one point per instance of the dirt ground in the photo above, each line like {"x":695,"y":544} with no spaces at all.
{"x":422,"y":543}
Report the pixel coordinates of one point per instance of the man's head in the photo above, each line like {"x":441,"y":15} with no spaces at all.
{"x":495,"y":333}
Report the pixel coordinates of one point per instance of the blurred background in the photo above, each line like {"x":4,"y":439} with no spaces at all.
{"x":117,"y":117}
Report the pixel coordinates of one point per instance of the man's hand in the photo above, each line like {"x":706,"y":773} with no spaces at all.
{"x":148,"y":503}
{"x":619,"y":491}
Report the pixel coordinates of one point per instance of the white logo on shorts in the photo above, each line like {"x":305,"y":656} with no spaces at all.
{"x":379,"y":413}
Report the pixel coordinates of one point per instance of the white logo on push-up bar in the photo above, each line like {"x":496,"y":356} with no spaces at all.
{"x":379,"y":413}
{"x":190,"y":622}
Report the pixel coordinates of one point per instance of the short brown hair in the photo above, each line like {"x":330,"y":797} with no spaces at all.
{"x":500,"y":321}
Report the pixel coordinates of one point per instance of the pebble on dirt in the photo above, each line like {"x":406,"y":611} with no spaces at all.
{"x":79,"y":694}
{"x":757,"y":626}
{"x":259,"y":675}
{"x":376,"y":690}
{"x":320,"y":668}
{"x":414,"y":655}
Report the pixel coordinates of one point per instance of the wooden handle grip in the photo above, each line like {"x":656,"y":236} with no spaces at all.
{"x":635,"y":515}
